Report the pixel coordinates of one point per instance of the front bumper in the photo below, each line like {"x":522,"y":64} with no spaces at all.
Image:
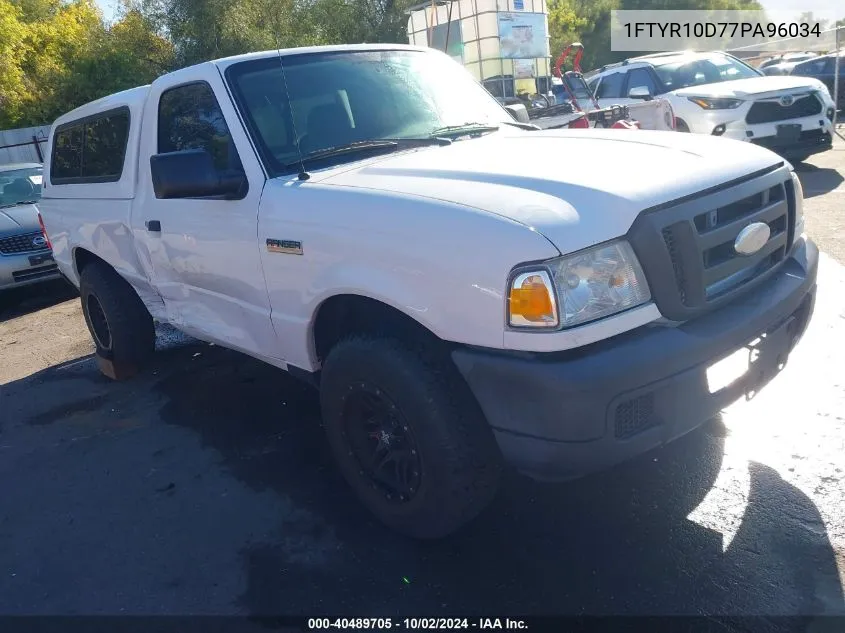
{"x":25,"y":269}
{"x":563,"y":415}
{"x":810,"y":142}
{"x":816,"y":130}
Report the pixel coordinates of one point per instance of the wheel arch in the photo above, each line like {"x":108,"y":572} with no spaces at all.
{"x":82,"y":257}
{"x":341,"y":315}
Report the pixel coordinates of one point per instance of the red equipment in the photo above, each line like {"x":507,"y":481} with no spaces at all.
{"x":626,"y":125}
{"x":574,"y":84}
{"x":576,"y":70}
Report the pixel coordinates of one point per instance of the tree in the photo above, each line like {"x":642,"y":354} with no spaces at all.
{"x":56,"y":55}
{"x":43,"y":36}
{"x":12,"y":78}
{"x":126,"y":55}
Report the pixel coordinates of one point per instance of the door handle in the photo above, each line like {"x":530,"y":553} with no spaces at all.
{"x":153,"y":226}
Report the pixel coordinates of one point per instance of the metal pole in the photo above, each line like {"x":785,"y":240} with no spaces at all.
{"x":836,"y":58}
{"x":37,"y":148}
{"x":434,"y":21}
{"x":448,"y":26}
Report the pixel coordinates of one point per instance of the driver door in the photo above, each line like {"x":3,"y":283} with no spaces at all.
{"x":202,"y":254}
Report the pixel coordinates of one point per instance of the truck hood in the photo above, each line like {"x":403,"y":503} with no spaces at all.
{"x":577,"y":187}
{"x":19,"y":219}
{"x":752,"y":87}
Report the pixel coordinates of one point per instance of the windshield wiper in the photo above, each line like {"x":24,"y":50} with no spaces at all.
{"x":465,"y":128}
{"x":374,"y":145}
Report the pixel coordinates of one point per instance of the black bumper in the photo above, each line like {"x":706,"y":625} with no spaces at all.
{"x":563,"y":415}
{"x":810,"y":142}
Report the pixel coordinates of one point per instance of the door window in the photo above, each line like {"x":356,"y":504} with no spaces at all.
{"x":642,"y":77}
{"x":610,"y":86}
{"x":189,"y":117}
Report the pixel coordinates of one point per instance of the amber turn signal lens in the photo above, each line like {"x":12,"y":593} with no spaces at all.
{"x":532,"y":301}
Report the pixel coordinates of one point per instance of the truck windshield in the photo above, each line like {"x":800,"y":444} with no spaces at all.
{"x":333,"y":99}
{"x":20,"y":185}
{"x":702,"y":69}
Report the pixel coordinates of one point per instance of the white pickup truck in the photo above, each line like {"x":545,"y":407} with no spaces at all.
{"x":364,"y":217}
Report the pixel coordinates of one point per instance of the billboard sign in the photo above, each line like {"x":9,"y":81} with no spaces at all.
{"x":523,"y":35}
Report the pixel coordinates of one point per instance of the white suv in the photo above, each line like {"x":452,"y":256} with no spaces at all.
{"x":716,"y":93}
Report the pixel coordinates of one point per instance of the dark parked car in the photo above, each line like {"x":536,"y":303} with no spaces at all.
{"x":784,"y":64}
{"x":822,"y":68}
{"x":25,"y":254}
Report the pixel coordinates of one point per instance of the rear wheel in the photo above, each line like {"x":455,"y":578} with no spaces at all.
{"x":681,"y":126}
{"x":117,"y":319}
{"x":407,"y":436}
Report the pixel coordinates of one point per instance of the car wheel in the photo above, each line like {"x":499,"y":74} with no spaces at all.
{"x":117,"y":319}
{"x":681,"y":126}
{"x":408,"y":436}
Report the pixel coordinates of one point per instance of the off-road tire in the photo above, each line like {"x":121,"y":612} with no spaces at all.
{"x":460,"y":462}
{"x":131,"y":332}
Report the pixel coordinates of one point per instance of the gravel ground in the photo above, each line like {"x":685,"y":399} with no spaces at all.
{"x":204,"y":486}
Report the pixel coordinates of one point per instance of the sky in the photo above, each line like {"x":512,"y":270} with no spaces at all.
{"x":107,"y":7}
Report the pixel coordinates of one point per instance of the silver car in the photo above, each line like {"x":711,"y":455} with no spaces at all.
{"x":25,"y":255}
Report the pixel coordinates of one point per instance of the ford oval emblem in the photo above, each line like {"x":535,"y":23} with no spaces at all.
{"x":39,"y":241}
{"x":752,"y":238}
{"x":787,"y":100}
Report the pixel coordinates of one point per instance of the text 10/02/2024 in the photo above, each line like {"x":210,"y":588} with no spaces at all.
{"x":414,"y":624}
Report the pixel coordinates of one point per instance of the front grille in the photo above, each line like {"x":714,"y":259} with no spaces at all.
{"x":769,"y":111}
{"x":20,"y":244}
{"x":634,"y":416}
{"x":35,"y":273}
{"x":687,"y":249}
{"x":677,"y":263}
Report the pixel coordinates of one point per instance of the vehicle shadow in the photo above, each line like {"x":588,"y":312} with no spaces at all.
{"x":817,"y":181}
{"x":619,"y":542}
{"x":21,"y":301}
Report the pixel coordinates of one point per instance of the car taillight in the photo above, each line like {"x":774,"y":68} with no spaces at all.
{"x":44,"y":231}
{"x":580,"y":122}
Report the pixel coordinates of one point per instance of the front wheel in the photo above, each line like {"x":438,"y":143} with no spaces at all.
{"x":407,"y":435}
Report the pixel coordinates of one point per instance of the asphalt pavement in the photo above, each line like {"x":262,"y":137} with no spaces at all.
{"x":205,"y":486}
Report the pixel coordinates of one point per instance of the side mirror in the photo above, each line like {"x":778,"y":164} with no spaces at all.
{"x":191,"y":173}
{"x":519,"y":112}
{"x":640,"y":92}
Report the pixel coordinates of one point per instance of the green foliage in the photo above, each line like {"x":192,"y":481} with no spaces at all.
{"x":12,"y":79}
{"x":585,"y":21}
{"x":56,"y":55}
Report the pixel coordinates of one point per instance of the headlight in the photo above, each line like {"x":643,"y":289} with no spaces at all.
{"x":716,"y":104}
{"x":578,"y":288}
{"x":799,"y":204}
